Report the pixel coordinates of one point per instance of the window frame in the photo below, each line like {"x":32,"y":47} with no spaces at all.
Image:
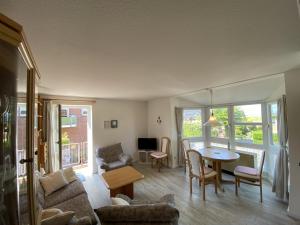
{"x":270,"y":124}
{"x":218,"y":139}
{"x":234,"y":124}
{"x":194,"y":139}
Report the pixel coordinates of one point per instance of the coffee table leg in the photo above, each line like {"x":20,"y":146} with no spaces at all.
{"x":125,"y":190}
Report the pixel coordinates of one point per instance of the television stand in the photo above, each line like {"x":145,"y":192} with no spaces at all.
{"x":144,"y":156}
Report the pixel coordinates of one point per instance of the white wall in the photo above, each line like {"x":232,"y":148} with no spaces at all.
{"x":292,"y":82}
{"x":132,"y":123}
{"x":165,"y":108}
{"x":160,"y":108}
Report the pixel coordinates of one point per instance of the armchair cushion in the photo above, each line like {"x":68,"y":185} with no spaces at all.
{"x":125,"y":158}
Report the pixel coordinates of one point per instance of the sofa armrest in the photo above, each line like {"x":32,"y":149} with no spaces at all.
{"x":156,"y":213}
{"x":126,"y":159}
{"x":100,"y":162}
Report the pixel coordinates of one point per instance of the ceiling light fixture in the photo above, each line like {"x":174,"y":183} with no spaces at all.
{"x":212,"y":121}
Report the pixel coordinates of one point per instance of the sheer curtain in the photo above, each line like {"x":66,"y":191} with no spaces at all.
{"x":51,"y":124}
{"x":179,"y":121}
{"x":281,"y":173}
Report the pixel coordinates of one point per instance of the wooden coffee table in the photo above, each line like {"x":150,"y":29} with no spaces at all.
{"x":120,"y":181}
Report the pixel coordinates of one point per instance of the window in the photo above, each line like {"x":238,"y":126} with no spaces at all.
{"x":221,"y":115}
{"x":70,"y":121}
{"x":248,"y":124}
{"x":192,"y":123}
{"x":84,"y":112}
{"x":272,"y":120}
{"x":22,"y":109}
{"x":64,"y":112}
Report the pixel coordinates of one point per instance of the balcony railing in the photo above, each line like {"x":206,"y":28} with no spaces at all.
{"x":74,"y":154}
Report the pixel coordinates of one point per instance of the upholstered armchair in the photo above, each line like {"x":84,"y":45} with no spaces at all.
{"x":112,"y":157}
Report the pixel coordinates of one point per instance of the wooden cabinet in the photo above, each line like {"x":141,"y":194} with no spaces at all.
{"x":18,"y":77}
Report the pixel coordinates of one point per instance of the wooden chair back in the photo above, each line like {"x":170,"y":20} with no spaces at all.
{"x":165,"y":145}
{"x":195,"y":162}
{"x":262,"y":161}
{"x":185,"y":145}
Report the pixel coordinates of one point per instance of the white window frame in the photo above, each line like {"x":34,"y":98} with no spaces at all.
{"x":195,"y":139}
{"x":270,"y":125}
{"x":84,"y":112}
{"x":262,"y":124}
{"x":218,"y":139}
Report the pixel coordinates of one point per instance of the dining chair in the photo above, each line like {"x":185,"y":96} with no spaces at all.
{"x":185,"y":145}
{"x":163,"y":154}
{"x":197,"y":169}
{"x":249,"y":175}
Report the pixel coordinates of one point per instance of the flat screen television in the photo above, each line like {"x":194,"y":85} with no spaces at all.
{"x":147,"y":144}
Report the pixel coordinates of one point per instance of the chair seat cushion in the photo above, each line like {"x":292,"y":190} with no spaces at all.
{"x":159,"y":154}
{"x":116,"y":165}
{"x":247,"y":172}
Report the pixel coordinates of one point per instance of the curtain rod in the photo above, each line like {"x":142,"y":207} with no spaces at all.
{"x":231,"y":84}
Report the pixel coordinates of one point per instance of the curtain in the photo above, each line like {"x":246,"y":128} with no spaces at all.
{"x":51,"y":136}
{"x":179,"y":121}
{"x":281,"y":172}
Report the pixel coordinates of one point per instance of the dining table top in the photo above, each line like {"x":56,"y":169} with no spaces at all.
{"x":218,"y":154}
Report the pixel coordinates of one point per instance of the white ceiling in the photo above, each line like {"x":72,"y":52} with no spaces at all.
{"x":262,"y":89}
{"x":146,"y":49}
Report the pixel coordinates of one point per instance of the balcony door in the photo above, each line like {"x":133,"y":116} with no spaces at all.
{"x":74,"y":130}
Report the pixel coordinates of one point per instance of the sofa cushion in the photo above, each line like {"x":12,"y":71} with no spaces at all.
{"x":115,"y":165}
{"x":160,"y":213}
{"x":119,"y":201}
{"x":60,"y":218}
{"x":110,"y":153}
{"x":69,"y":191}
{"x":69,"y":174}
{"x":80,"y":205}
{"x":53,"y":182}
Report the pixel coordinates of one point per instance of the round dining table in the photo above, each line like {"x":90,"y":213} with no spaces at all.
{"x":219,"y":156}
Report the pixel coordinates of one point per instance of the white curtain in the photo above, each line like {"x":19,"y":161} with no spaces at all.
{"x":51,"y":122}
{"x":281,"y":173}
{"x":179,"y":121}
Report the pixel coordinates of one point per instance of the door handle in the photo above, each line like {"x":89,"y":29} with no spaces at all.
{"x":22,"y":161}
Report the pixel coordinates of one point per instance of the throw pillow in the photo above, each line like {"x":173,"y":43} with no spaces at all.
{"x":61,"y":218}
{"x":118,"y":201}
{"x":53,"y":182}
{"x":69,"y":174}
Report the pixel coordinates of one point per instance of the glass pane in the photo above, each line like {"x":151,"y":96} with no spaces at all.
{"x":74,"y":136}
{"x":192,"y":123}
{"x":274,"y":138}
{"x":221,"y":115}
{"x":197,"y":145}
{"x":247,"y":113}
{"x":13,"y":77}
{"x":249,"y":134}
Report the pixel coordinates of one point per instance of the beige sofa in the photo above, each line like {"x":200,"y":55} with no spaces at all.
{"x":71,"y":197}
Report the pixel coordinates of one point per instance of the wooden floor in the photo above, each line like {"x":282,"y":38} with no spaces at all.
{"x":224,"y":208}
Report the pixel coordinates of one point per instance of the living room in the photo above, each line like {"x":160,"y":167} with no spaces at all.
{"x":107,"y":108}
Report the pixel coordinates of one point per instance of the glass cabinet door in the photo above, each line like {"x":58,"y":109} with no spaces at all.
{"x":17,"y":139}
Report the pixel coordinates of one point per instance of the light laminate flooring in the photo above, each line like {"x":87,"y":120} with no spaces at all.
{"x":224,"y":208}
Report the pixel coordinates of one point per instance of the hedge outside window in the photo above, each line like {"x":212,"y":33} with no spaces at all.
{"x":192,"y":123}
{"x":248,"y":124}
{"x":221,"y":115}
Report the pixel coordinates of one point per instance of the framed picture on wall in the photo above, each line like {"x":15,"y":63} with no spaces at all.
{"x":114,"y":123}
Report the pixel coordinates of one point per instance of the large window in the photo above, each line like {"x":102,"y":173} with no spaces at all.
{"x":192,"y":123}
{"x":272,"y":121}
{"x":221,"y":115}
{"x":248,"y":124}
